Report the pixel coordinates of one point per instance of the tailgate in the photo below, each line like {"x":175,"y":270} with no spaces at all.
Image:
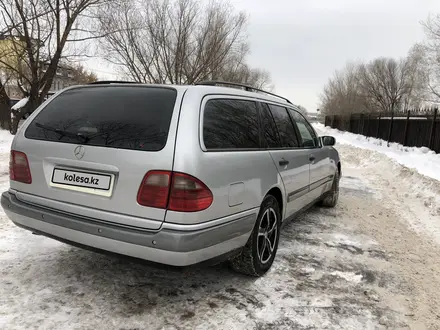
{"x":90,"y":147}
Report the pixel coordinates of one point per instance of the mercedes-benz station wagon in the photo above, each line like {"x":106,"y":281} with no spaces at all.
{"x":175,"y":175}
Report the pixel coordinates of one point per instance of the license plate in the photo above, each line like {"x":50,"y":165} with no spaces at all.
{"x":81,"y":179}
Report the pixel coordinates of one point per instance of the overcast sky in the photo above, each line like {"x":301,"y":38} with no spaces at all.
{"x":301,"y":43}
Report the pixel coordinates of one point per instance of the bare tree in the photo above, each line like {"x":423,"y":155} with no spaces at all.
{"x":303,"y":110}
{"x":343,"y":94}
{"x":236,"y":70}
{"x":385,"y":82}
{"x":432,"y":48}
{"x":257,"y":78}
{"x":37,"y":34}
{"x":5,"y":110}
{"x":417,"y":78}
{"x":82,"y":76}
{"x":179,"y":42}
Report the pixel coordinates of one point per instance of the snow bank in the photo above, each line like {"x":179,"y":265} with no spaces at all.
{"x":409,"y":177}
{"x":423,"y":160}
{"x":5,"y":141}
{"x":20,"y":104}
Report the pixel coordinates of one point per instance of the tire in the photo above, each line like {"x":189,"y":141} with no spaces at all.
{"x":257,"y":256}
{"x":331,"y":198}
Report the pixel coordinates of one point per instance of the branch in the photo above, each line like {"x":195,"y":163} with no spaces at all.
{"x":433,"y":91}
{"x":15,"y":26}
{"x":94,"y":36}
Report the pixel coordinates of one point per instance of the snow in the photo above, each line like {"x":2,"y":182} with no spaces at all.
{"x":317,"y":280}
{"x":407,"y":178}
{"x":5,"y":141}
{"x":307,"y":270}
{"x":348,"y":276}
{"x":425,"y":161}
{"x":20,"y":104}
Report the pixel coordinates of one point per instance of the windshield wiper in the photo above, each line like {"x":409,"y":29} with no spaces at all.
{"x":63,"y":133}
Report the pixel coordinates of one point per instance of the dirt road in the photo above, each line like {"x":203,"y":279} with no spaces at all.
{"x":367,"y":264}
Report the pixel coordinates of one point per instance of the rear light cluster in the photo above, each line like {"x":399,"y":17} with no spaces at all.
{"x":174,"y":191}
{"x":19,"y":167}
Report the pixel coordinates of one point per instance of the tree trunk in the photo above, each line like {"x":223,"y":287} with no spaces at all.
{"x":18,"y":115}
{"x":5,"y":110}
{"x":5,"y":115}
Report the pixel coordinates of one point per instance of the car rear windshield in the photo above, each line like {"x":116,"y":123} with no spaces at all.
{"x":125,"y":117}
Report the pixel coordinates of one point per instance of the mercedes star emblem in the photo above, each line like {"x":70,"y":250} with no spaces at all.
{"x":79,"y":152}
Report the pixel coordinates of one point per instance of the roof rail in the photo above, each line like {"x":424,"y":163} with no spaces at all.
{"x":103,"y":82}
{"x":246,"y":87}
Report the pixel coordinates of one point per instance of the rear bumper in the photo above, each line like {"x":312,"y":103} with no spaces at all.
{"x":167,"y":246}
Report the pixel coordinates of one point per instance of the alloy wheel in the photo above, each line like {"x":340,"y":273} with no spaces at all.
{"x":267,"y":235}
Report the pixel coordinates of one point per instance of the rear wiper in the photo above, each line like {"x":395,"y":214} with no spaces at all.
{"x":63,"y":133}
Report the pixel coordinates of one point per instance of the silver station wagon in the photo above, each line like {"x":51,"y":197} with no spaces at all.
{"x":175,"y":175}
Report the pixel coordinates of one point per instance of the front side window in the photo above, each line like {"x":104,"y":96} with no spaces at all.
{"x":284,"y":126}
{"x":308,"y":136}
{"x":231,"y":124}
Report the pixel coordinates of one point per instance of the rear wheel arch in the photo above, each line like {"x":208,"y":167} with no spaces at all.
{"x":276,"y":192}
{"x":257,"y":256}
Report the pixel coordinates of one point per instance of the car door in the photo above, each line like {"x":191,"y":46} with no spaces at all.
{"x":292,"y":163}
{"x":318,"y":157}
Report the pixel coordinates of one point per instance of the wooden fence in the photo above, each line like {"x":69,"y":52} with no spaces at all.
{"x":412,"y":128}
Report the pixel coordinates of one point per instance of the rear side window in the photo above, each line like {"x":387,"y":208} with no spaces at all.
{"x":285,"y":127}
{"x":270,"y":130}
{"x":136,"y":118}
{"x":308,"y":136}
{"x":231,"y":124}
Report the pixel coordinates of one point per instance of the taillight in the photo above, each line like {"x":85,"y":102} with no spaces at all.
{"x":19,"y":167}
{"x":175,"y":191}
{"x":154,"y":189}
{"x":188,"y":194}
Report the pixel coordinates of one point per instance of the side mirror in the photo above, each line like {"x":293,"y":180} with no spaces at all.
{"x":328,"y":141}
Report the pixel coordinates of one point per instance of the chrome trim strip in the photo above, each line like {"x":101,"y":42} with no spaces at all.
{"x":211,"y":223}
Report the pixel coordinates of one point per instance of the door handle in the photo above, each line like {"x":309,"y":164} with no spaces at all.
{"x":312,"y":158}
{"x":283,"y":162}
